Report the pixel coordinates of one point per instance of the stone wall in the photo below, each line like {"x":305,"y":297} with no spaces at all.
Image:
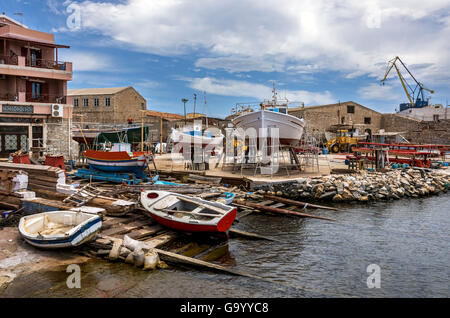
{"x":58,"y":132}
{"x":123,"y":105}
{"x":94,"y":114}
{"x":321,"y":118}
{"x":128,"y":104}
{"x":417,"y":131}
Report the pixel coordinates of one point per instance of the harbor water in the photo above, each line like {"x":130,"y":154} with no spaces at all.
{"x":407,"y":240}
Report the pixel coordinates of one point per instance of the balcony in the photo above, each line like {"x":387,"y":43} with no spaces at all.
{"x":9,"y":60}
{"x":8,"y":97}
{"x":45,"y":98}
{"x":39,"y":63}
{"x":21,"y":66}
{"x":29,"y":98}
{"x":49,"y":64}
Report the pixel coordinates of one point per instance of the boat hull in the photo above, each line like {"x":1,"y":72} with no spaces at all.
{"x":221,"y":224}
{"x":119,"y":161}
{"x":186,"y":140}
{"x":291,"y":128}
{"x":80,"y":233}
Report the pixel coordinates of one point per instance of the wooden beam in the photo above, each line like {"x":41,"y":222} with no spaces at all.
{"x":280,"y":211}
{"x":176,"y":258}
{"x":236,"y":232}
{"x":297,"y":203}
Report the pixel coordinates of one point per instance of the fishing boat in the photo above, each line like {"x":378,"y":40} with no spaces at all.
{"x":273,"y":114}
{"x":191,"y":136}
{"x":119,"y":158}
{"x":181,"y":212}
{"x":59,"y":229}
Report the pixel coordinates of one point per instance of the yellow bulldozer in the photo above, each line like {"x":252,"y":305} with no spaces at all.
{"x":343,"y":142}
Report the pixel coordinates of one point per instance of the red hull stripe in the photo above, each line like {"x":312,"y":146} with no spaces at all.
{"x":110,"y":155}
{"x":222,"y":226}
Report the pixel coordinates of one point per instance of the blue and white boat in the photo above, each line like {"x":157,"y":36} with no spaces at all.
{"x":59,"y":229}
{"x":226,"y":198}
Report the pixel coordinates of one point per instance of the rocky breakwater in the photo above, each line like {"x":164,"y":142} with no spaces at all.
{"x":363,"y":186}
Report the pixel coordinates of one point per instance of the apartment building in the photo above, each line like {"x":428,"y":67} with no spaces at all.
{"x":33,"y":89}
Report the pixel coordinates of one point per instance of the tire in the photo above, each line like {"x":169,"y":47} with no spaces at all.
{"x":334,"y":148}
{"x":343,"y":148}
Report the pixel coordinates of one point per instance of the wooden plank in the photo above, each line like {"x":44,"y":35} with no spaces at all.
{"x":277,"y":205}
{"x":176,"y":258}
{"x":244,"y":214}
{"x":121,"y":229}
{"x":281,"y":211}
{"x":267,"y":202}
{"x":33,"y":186}
{"x":161,"y":239}
{"x":297,"y":203}
{"x":111,"y":221}
{"x":213,"y":253}
{"x":237,"y":232}
{"x":146,"y":231}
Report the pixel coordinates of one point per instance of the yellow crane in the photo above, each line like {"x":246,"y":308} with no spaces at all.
{"x":415,"y":95}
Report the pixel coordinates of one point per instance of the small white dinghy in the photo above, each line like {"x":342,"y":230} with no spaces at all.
{"x":185,"y":213}
{"x":59,"y":228}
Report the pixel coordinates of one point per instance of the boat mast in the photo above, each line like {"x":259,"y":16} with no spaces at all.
{"x":206,"y":108}
{"x":274,"y":97}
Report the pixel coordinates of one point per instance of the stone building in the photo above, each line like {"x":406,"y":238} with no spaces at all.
{"x":113,"y":105}
{"x":322,"y":118}
{"x":418,"y":131}
{"x":160,"y":124}
{"x":35,"y":113}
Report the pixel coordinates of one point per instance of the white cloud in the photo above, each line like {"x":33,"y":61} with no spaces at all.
{"x":381,"y":92}
{"x":355,"y":37}
{"x":87,"y":61}
{"x":259,"y":91}
{"x":235,"y":64}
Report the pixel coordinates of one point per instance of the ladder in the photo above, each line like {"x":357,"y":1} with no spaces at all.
{"x":83,"y":196}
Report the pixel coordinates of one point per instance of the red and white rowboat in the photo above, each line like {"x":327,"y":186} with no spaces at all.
{"x":189,"y":214}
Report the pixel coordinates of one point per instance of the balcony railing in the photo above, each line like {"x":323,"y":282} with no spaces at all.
{"x":8,"y":97}
{"x":10,"y":60}
{"x":50,"y":64}
{"x":46,"y":98}
{"x":39,"y":63}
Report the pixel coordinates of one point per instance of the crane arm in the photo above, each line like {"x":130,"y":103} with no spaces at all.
{"x":402,"y":80}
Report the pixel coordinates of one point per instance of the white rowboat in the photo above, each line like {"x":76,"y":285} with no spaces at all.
{"x":59,"y":229}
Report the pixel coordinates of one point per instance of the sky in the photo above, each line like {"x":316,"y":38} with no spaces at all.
{"x":227,"y":52}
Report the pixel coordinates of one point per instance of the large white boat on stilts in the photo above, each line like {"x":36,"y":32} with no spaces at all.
{"x":273,"y":114}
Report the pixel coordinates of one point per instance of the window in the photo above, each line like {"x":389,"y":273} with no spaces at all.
{"x":350,"y":109}
{"x":142,"y":106}
{"x":85,"y":102}
{"x":96,"y":102}
{"x":75,"y":102}
{"x":107,"y":101}
{"x":35,"y":89}
{"x":342,"y":119}
{"x":435,"y":117}
{"x":367,"y":120}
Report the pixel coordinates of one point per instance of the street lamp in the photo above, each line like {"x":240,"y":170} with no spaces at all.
{"x":184,"y":100}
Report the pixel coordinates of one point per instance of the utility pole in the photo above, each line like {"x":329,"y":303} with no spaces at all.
{"x":184,"y":100}
{"x":206,"y":108}
{"x":195,"y":103}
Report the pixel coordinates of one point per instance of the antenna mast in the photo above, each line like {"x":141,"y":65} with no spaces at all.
{"x":206,"y":108}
